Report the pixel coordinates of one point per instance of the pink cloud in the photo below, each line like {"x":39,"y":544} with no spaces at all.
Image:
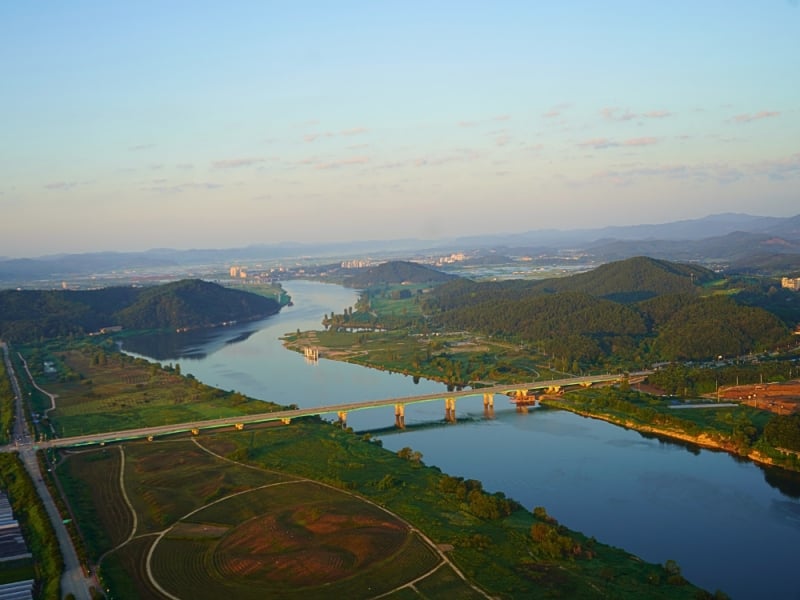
{"x":747,"y":117}
{"x":641,"y":141}
{"x":355,"y":160}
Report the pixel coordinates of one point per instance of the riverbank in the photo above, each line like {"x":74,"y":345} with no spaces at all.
{"x":703,"y":440}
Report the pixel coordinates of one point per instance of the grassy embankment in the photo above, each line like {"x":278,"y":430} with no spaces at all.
{"x":735,"y":429}
{"x":100,"y":389}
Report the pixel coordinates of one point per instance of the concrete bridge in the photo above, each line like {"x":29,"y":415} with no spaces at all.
{"x":520,"y":394}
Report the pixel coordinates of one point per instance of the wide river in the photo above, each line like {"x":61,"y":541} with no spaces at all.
{"x":730,"y":525}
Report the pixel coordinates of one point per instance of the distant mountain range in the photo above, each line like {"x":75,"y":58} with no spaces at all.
{"x":741,"y":242}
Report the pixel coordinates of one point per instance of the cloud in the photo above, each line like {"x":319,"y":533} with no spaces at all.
{"x":235,"y":163}
{"x":502,"y":140}
{"x":345,"y":162}
{"x":614,"y":113}
{"x":467,"y":123}
{"x":657,"y":114}
{"x":140,"y":147}
{"x":502,"y":118}
{"x":641,"y":141}
{"x":160,"y":187}
{"x":597,"y":143}
{"x":779,"y":169}
{"x":603,"y":143}
{"x":64,"y":186}
{"x":747,"y":117}
{"x":722,"y":173}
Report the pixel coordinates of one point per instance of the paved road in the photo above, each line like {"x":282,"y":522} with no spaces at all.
{"x":73,"y":580}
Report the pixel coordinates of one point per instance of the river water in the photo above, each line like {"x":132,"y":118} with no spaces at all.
{"x":730,"y":524}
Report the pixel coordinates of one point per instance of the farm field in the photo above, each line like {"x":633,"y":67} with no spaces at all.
{"x":205,"y":527}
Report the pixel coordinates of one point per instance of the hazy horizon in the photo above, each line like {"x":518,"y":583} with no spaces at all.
{"x":145,"y":125}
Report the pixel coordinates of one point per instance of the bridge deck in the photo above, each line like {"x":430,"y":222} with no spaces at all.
{"x":144,"y":432}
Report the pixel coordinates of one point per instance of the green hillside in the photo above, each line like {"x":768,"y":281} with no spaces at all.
{"x":396,"y":272}
{"x":29,"y":315}
{"x":634,"y":279}
{"x":637,"y":309}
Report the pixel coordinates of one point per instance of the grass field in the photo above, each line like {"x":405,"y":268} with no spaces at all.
{"x":100,"y":390}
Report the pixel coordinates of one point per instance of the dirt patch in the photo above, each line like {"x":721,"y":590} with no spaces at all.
{"x":307,"y":546}
{"x":781,"y":398}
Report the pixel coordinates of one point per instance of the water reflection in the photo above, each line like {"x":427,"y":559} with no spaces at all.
{"x":196,"y":344}
{"x":787,"y":482}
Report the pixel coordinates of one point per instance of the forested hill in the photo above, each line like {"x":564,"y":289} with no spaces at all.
{"x":28,"y":315}
{"x":396,"y":272}
{"x":633,"y":280}
{"x":638,"y":310}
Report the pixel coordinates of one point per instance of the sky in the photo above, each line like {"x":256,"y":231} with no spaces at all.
{"x":188,"y":124}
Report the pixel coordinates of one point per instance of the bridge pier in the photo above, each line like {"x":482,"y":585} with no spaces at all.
{"x":342,"y":418}
{"x":522,"y":399}
{"x":400,"y":416}
{"x":488,"y":406}
{"x":450,"y":410}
